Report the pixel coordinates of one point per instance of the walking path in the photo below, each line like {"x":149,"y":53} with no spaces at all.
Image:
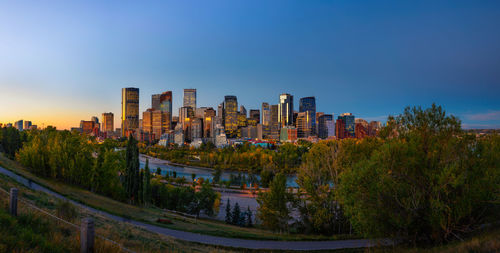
{"x":208,"y":239}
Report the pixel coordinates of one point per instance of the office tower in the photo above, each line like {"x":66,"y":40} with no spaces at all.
{"x":243,"y":111}
{"x":130,"y":111}
{"x":147,"y":121}
{"x":242,"y":120}
{"x":230,"y":114}
{"x":155,"y":101}
{"x":155,"y":123}
{"x":220,"y":114}
{"x":285,"y":110}
{"x":308,"y":104}
{"x":96,"y":120}
{"x":266,"y":114}
{"x":27,"y":125}
{"x":185,"y":113}
{"x":255,"y":114}
{"x":304,"y":124}
{"x":345,"y":127}
{"x":200,"y":112}
{"x":275,"y":125}
{"x":108,"y":123}
{"x":318,"y":114}
{"x":196,"y":128}
{"x":209,"y":121}
{"x":166,"y":107}
{"x":19,"y":125}
{"x":361,"y":130}
{"x":325,"y":122}
{"x":190,"y":98}
{"x":89,"y":126}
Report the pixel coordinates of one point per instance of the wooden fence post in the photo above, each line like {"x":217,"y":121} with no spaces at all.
{"x":13,"y":201}
{"x":87,"y":236}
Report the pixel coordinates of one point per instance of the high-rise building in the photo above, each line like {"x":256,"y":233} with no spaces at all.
{"x":196,"y":128}
{"x":275,"y":125}
{"x":304,"y":124}
{"x":130,"y":111}
{"x":288,"y":134}
{"x":166,"y":106}
{"x":325,"y":122}
{"x":266,"y":114}
{"x":285,"y":110}
{"x":374,"y":127}
{"x":190,"y":98}
{"x":27,"y":125}
{"x":255,"y":114}
{"x":155,"y":101}
{"x":220,"y":114}
{"x":230,"y":114}
{"x":308,"y":104}
{"x":345,"y":127}
{"x":243,"y":111}
{"x":108,"y":123}
{"x":19,"y":125}
{"x":185,"y":113}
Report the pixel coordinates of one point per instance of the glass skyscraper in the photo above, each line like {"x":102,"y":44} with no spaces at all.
{"x":130,"y":110}
{"x":285,"y":110}
{"x":190,"y":98}
{"x":230,"y":113}
{"x":308,"y":104}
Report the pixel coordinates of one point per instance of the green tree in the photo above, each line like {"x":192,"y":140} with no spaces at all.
{"x":132,"y":178}
{"x":428,"y":182}
{"x":147,"y":184}
{"x":249,"y":222}
{"x":273,"y":205}
{"x":228,"y":212}
{"x":236,"y":215}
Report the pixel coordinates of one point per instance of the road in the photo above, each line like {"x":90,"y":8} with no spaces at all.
{"x":212,"y":240}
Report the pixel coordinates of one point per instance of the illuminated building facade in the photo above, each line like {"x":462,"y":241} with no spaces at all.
{"x":189,"y":98}
{"x":285,"y":110}
{"x":345,"y":127}
{"x":230,"y":114}
{"x":308,"y":104}
{"x":108,"y":123}
{"x":130,"y":111}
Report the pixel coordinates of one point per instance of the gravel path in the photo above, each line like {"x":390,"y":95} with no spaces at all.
{"x":213,"y":240}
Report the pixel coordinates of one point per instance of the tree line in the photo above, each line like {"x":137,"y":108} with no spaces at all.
{"x":423,"y":179}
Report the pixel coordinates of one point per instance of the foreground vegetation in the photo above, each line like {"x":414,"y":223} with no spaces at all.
{"x":423,"y":180}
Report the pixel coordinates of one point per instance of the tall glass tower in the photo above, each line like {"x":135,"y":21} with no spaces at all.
{"x":308,"y":104}
{"x":285,"y":110}
{"x":130,"y":111}
{"x":190,"y":98}
{"x":231,"y":113}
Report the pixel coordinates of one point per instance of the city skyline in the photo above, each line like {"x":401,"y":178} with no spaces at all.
{"x":64,"y":62}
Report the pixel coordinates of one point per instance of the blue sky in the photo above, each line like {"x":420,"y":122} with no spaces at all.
{"x":62,"y":61}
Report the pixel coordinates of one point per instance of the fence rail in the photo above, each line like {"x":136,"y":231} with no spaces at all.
{"x":87,"y":232}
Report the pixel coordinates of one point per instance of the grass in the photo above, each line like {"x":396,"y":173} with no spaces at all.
{"x":151,"y":214}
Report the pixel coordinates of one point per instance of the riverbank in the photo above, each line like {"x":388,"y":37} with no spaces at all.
{"x":150,"y":215}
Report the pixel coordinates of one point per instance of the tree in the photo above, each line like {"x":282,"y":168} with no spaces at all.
{"x":249,"y":217}
{"x":228,"y":212}
{"x":236,"y":215}
{"x":132,"y":171}
{"x":273,"y":205}
{"x":158,"y":171}
{"x":427,"y":182}
{"x":147,"y":184}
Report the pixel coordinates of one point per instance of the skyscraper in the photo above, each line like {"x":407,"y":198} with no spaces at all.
{"x":166,"y":107}
{"x":190,"y":98}
{"x":130,"y":110}
{"x":255,"y":115}
{"x":304,"y":124}
{"x":285,"y":110}
{"x":19,"y":125}
{"x":308,"y":104}
{"x":155,"y":101}
{"x":324,"y":122}
{"x":186,"y":113}
{"x":27,"y":124}
{"x":108,"y":123}
{"x":230,"y":113}
{"x":345,"y":127}
{"x":266,"y":114}
{"x":243,"y":111}
{"x":274,"y":123}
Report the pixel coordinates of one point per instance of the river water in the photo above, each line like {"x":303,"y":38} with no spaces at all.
{"x":206,"y":174}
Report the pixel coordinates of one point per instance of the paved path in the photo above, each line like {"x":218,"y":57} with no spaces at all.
{"x":208,"y":239}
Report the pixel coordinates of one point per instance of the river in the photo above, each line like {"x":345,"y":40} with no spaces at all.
{"x":206,"y":174}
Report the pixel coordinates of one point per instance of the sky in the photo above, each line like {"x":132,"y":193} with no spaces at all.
{"x":65,"y":61}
